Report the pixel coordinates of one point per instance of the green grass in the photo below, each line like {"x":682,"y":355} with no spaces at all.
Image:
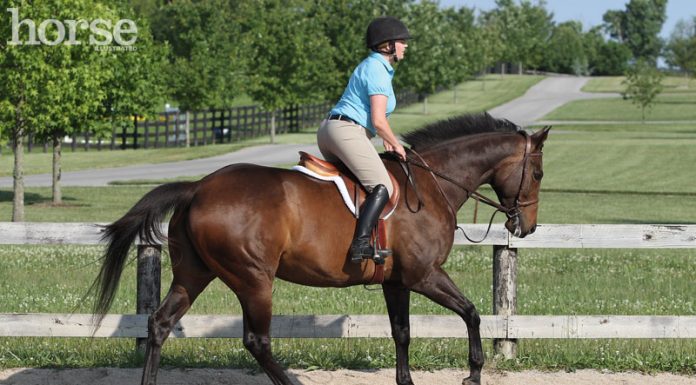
{"x":675,"y":103}
{"x":667,"y":107}
{"x":671,"y":84}
{"x":550,"y":282}
{"x":477,"y":95}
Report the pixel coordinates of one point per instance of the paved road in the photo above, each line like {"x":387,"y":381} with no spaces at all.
{"x":539,"y":100}
{"x":544,"y":97}
{"x":267,"y":155}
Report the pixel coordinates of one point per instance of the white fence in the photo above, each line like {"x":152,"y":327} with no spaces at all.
{"x":504,"y":326}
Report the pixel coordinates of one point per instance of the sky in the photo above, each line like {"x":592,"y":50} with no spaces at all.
{"x":590,"y":12}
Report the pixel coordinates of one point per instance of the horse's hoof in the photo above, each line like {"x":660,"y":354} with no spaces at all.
{"x":471,"y":381}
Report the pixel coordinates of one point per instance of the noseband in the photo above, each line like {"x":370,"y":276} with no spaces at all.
{"x":510,"y":212}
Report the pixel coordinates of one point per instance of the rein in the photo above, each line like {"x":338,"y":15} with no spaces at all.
{"x":510,"y":212}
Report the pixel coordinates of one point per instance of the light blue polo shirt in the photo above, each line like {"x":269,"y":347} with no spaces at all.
{"x":373,"y":76}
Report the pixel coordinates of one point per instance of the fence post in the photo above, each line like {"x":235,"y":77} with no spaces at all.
{"x":505,"y":294}
{"x":148,"y":284}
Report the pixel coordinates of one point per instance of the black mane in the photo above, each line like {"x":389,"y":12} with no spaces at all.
{"x":456,"y":127}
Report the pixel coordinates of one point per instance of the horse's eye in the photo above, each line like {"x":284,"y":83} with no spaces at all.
{"x":538,"y":174}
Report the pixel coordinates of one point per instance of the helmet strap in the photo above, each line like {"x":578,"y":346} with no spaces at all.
{"x":392,"y":50}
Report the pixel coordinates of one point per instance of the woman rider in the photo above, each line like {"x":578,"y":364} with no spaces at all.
{"x":359,"y":115}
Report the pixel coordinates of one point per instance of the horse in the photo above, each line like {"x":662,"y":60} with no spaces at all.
{"x":248,"y":224}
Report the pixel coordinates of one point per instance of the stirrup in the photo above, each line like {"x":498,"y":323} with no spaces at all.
{"x":361,"y":251}
{"x":381,"y":255}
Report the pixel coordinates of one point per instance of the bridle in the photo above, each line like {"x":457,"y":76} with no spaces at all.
{"x":510,"y":212}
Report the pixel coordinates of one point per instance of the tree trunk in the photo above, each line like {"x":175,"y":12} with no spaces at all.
{"x":57,"y":147}
{"x":425,"y":105}
{"x":273,"y":126}
{"x":18,"y":172}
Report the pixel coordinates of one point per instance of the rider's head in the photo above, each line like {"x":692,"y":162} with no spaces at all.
{"x":383,"y":33}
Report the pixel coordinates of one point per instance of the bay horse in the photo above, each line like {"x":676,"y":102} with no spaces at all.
{"x":247,"y":224}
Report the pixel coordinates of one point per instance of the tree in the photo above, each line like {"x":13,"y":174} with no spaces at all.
{"x":487,"y":47}
{"x":524,"y":30}
{"x":207,"y":65}
{"x":681,"y":47}
{"x":638,"y":27}
{"x":643,"y":84}
{"x":24,"y":70}
{"x":136,"y":82}
{"x":566,"y":51}
{"x":290,"y":56}
{"x":463,"y":40}
{"x":344,"y":23}
{"x":425,"y":66}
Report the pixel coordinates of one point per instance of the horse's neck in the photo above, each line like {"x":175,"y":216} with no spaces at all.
{"x":471,"y":161}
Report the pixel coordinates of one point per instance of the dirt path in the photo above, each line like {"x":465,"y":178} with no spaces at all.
{"x":114,"y":376}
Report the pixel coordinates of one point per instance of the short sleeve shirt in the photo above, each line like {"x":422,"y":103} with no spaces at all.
{"x":373,"y":76}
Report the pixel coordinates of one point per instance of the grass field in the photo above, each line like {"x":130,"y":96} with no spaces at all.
{"x":676,"y":102}
{"x":618,"y":173}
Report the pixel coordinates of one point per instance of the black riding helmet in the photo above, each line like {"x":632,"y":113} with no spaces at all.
{"x":385,"y":28}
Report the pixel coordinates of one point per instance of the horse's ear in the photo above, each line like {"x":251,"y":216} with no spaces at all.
{"x":540,"y":136}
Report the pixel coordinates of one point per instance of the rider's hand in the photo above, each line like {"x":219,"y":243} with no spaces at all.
{"x":398,"y":149}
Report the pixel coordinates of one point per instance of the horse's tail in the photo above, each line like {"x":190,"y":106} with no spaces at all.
{"x":142,"y":220}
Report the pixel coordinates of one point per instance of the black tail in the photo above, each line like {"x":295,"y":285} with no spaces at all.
{"x":142,"y":220}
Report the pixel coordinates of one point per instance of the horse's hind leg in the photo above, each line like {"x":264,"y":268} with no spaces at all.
{"x":191,"y":276}
{"x":440,"y":288}
{"x":256,"y":305}
{"x":161,"y":322}
{"x":397,"y":298}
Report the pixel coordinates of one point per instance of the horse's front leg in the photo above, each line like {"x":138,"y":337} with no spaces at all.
{"x":397,"y":298}
{"x":438,"y":286}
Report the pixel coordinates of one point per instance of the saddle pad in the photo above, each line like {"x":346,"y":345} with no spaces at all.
{"x":342,"y":189}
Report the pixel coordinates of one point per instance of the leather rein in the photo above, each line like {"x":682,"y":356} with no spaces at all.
{"x":510,"y":212}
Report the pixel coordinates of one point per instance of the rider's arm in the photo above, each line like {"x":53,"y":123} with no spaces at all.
{"x":378,"y":108}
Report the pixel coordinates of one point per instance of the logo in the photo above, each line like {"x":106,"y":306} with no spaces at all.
{"x":102,"y":32}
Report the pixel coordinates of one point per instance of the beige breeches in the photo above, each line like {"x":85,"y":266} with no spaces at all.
{"x":350,"y":143}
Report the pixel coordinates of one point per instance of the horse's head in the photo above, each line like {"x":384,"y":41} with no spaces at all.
{"x":517,"y":183}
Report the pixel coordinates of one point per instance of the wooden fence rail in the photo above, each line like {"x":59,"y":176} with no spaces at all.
{"x":504,"y":326}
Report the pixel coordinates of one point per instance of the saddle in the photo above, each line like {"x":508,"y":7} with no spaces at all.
{"x":352,"y":192}
{"x":348,"y":185}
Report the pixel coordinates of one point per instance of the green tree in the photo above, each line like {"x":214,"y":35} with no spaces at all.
{"x":462,"y":38}
{"x":605,"y":57}
{"x":344,"y":23}
{"x":290,"y":55}
{"x":64,"y":87}
{"x":643,"y":85}
{"x":638,"y":27}
{"x":566,"y":50}
{"x":428,"y":56}
{"x":28,"y":77}
{"x":680,"y":51}
{"x":136,"y":83}
{"x":207,"y":65}
{"x":524,"y":30}
{"x":487,"y":48}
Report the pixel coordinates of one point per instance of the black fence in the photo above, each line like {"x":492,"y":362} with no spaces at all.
{"x":205,"y":127}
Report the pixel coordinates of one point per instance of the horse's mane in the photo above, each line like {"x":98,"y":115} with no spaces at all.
{"x":463,"y":125}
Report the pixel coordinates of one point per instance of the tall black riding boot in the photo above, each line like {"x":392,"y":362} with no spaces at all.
{"x":369,"y":215}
